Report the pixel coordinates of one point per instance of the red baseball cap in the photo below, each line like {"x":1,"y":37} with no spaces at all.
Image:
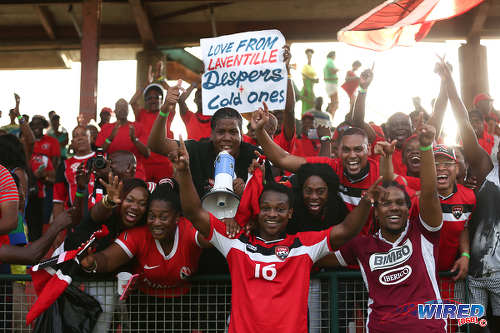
{"x":308,"y":114}
{"x":107,"y":110}
{"x":445,"y":151}
{"x":481,"y":97}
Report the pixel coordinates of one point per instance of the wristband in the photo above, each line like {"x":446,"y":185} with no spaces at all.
{"x":426,"y":148}
{"x":325,"y":138}
{"x":465,"y":254}
{"x":163,"y":114}
{"x":362,"y":91}
{"x":19,"y":117}
{"x":79,"y":194}
{"x":108,"y":141}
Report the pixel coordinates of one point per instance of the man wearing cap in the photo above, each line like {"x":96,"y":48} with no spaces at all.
{"x":105,"y":116}
{"x":157,"y":166}
{"x":308,"y":143}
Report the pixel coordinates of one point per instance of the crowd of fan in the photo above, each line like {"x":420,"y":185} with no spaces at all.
{"x":131,"y":177}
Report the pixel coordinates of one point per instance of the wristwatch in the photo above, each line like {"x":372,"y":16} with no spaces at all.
{"x":325,"y":138}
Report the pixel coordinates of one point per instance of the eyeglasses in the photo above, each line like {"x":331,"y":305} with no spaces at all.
{"x":444,"y":164}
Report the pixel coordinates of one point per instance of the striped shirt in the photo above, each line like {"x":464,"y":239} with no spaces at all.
{"x":8,"y":188}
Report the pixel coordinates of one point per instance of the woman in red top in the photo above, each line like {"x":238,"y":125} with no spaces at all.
{"x":166,"y":253}
{"x":125,"y":135}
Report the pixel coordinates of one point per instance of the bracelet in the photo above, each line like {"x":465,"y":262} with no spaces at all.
{"x":107,"y":203}
{"x":465,"y":254}
{"x":19,"y":117}
{"x":92,"y":270}
{"x":325,"y":138}
{"x":108,"y":141}
{"x":80,"y":194}
{"x":362,"y":90}
{"x":289,"y":76}
{"x":426,"y":148}
{"x":163,"y":114}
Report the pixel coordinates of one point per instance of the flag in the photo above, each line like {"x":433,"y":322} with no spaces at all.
{"x":49,"y":285}
{"x":400,"y":23}
{"x":249,"y":203}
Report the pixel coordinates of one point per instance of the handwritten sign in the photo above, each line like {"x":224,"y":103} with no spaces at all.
{"x":243,"y":70}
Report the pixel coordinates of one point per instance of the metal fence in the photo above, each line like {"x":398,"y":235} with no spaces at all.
{"x":337,"y":302}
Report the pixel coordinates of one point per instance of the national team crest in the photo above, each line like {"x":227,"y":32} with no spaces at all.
{"x":185,"y":272}
{"x":457,"y":211}
{"x":281,"y":252}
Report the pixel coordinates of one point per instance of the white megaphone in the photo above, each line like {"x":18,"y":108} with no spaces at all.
{"x":221,"y":201}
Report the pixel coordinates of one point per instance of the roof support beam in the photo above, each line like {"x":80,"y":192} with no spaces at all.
{"x":143,"y":24}
{"x":46,"y":20}
{"x":189,"y":10}
{"x":480,"y":16}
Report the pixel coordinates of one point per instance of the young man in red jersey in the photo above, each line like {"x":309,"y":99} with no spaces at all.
{"x":270,"y":270}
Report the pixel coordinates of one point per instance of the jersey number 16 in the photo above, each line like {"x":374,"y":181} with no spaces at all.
{"x":268,"y":272}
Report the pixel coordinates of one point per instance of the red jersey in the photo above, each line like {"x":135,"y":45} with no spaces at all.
{"x":281,"y":140}
{"x":487,"y":141}
{"x":306,"y":147}
{"x":457,"y":209}
{"x":270,"y":280}
{"x":398,"y":276}
{"x":351,"y":190}
{"x":47,"y":146}
{"x":413,"y":182}
{"x":65,"y":185}
{"x":163,"y":274}
{"x":122,"y":141}
{"x":248,"y":139}
{"x":397,"y":162}
{"x":157,"y":166}
{"x":197,"y":125}
{"x":37,"y":162}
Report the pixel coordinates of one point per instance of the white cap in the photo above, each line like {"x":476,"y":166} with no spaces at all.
{"x":156,"y":85}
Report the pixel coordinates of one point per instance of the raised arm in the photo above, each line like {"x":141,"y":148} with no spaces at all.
{"x":182,"y":98}
{"x":158,"y":142}
{"x":277,"y":155}
{"x":29,"y":137}
{"x":475,"y":155}
{"x":430,"y":207}
{"x":358,"y":113}
{"x":385,"y":150}
{"x":436,"y":119}
{"x":103,"y":209}
{"x":190,"y":201}
{"x":289,"y":113}
{"x":354,"y":222}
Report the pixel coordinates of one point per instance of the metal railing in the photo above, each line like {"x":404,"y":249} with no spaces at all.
{"x":337,"y":302}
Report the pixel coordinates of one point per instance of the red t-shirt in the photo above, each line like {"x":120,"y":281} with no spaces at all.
{"x":197,"y":125}
{"x":65,"y":185}
{"x":249,"y":140}
{"x":487,"y":141}
{"x":39,"y":161}
{"x":122,"y":141}
{"x":397,"y":162}
{"x":270,"y":280}
{"x":457,"y":209}
{"x":397,"y":274}
{"x":282,"y":141}
{"x":306,"y":147}
{"x":47,"y":146}
{"x":163,"y":274}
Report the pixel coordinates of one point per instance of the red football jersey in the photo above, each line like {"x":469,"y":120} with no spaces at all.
{"x":457,"y":209}
{"x":47,"y":146}
{"x":163,"y":274}
{"x":280,"y":140}
{"x":270,"y":280}
{"x":398,"y":276}
{"x":397,"y":162}
{"x":65,"y":185}
{"x":487,"y":141}
{"x":197,"y":125}
{"x":351,"y":191}
{"x":39,"y":161}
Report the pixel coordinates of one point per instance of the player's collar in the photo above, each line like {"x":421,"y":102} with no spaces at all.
{"x":455,"y":189}
{"x":360,"y":176}
{"x":400,"y":238}
{"x":271,"y":241}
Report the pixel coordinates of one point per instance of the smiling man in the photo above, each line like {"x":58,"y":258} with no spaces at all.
{"x":270,"y":270}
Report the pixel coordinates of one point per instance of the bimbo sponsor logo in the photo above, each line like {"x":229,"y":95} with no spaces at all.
{"x":464,"y":313}
{"x":392,"y":258}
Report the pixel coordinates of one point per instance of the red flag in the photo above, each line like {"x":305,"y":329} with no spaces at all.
{"x":400,"y":23}
{"x":249,"y":203}
{"x":49,"y":285}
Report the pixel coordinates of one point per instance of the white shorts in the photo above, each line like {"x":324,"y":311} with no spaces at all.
{"x":331,"y":88}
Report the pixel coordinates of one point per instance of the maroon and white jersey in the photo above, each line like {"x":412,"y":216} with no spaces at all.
{"x":270,"y":280}
{"x":65,"y":185}
{"x":398,"y":276}
{"x":163,"y":274}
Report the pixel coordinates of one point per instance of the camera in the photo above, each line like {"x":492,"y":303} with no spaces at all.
{"x":98,"y":162}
